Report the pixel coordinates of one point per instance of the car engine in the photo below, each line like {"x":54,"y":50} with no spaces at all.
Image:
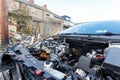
{"x":80,"y":62}
{"x":64,"y":60}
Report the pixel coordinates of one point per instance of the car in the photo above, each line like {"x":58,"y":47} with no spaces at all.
{"x":100,"y":41}
{"x":86,"y":51}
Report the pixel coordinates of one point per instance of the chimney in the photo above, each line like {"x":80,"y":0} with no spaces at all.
{"x":44,"y":6}
{"x":31,"y":1}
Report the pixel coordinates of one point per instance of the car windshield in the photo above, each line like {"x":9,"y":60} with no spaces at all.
{"x":99,"y":27}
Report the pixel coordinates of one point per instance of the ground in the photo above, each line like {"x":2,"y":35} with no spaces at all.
{"x":1,"y":77}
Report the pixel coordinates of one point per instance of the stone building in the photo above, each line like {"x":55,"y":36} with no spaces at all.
{"x":32,"y":19}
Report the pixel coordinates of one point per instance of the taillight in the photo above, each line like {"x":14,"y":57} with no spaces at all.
{"x":39,"y":72}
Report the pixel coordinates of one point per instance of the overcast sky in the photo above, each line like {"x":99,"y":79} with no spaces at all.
{"x":84,"y":10}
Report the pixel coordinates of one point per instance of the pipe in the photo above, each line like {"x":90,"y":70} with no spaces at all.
{"x":4,"y":22}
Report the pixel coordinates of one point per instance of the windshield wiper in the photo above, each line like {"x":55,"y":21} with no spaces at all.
{"x":106,"y":34}
{"x":69,"y":33}
{"x":109,"y":34}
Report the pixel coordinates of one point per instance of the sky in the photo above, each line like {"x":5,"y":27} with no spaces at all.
{"x":84,"y":10}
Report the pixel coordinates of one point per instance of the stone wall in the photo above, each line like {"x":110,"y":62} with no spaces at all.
{"x":42,"y":21}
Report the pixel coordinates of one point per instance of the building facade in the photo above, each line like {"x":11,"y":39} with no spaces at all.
{"x":32,"y":19}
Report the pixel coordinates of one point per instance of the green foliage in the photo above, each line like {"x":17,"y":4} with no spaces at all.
{"x":22,"y":20}
{"x":19,"y":16}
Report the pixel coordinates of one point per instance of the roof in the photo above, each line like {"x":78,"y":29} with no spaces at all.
{"x":38,"y":7}
{"x":30,"y":4}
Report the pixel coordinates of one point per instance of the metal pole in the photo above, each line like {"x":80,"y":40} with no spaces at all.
{"x":4,"y":22}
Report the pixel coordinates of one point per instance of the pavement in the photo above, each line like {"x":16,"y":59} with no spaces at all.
{"x":1,"y":77}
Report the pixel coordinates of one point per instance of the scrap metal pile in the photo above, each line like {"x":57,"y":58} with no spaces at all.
{"x":51,"y":59}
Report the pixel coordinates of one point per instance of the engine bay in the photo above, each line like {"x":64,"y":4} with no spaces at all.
{"x":78,"y":60}
{"x":66,"y":59}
